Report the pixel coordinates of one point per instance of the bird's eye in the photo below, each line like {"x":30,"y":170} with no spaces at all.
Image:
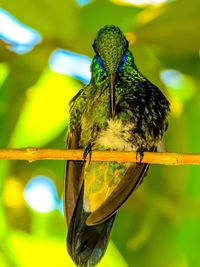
{"x":100,"y":63}
{"x":123,"y":60}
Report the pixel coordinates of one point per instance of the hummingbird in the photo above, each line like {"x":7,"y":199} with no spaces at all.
{"x":119,"y":110}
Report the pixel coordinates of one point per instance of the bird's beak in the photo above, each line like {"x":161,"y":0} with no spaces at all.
{"x":112,"y":94}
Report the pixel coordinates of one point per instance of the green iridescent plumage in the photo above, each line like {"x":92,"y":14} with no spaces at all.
{"x":119,"y":110}
{"x":110,"y":45}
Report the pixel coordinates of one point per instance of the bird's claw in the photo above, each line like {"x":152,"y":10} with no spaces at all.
{"x":140,"y":154}
{"x":88,"y":150}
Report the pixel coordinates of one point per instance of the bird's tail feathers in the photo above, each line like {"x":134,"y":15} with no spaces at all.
{"x":87,"y":244}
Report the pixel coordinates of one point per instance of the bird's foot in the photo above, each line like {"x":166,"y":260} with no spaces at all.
{"x":139,"y":154}
{"x":88,"y":150}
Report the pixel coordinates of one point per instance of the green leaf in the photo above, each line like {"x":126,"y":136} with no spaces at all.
{"x":173,"y":28}
{"x":45,"y":112}
{"x":52,"y":19}
{"x":34,"y":251}
{"x":24,"y":72}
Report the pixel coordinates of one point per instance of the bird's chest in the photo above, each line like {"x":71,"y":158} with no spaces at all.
{"x":95,"y":116}
{"x":102,"y":131}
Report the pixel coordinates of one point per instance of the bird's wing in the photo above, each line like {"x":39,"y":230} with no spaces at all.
{"x":73,"y":177}
{"x":107,"y":185}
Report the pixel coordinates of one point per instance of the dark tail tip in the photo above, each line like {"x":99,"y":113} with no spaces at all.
{"x":87,"y":244}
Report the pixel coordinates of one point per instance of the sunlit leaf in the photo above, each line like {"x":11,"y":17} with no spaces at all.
{"x":24,"y":72}
{"x":45,"y":111}
{"x":37,"y":251}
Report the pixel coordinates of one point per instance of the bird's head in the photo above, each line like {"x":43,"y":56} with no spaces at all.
{"x":111,"y":49}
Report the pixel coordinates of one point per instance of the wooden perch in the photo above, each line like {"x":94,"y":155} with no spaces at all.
{"x":33,"y":154}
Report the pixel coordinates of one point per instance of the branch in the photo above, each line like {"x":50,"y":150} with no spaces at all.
{"x":32,"y":154}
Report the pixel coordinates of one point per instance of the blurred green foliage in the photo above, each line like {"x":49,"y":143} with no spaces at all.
{"x":159,"y":226}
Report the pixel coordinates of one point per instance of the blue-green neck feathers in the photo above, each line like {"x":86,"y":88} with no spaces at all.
{"x":126,"y":67}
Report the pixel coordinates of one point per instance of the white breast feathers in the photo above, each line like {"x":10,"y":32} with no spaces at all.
{"x":116,"y":136}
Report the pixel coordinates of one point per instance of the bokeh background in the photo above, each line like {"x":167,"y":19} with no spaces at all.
{"x":45,"y":54}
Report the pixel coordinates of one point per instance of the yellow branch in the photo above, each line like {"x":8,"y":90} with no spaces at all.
{"x":32,"y":154}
